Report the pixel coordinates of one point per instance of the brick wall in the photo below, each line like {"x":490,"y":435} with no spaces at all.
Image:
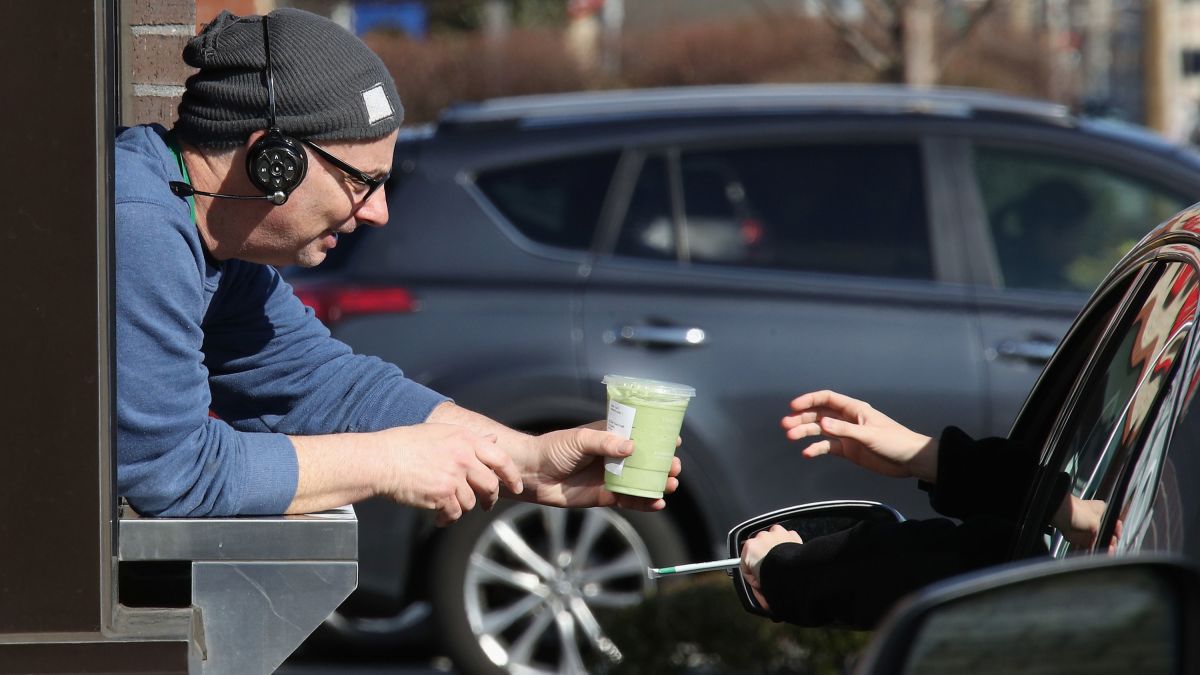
{"x":153,"y":35}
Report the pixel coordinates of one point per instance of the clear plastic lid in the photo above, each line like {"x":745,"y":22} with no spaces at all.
{"x":651,"y":387}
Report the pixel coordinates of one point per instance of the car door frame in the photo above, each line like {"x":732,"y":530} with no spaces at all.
{"x":1067,"y":375}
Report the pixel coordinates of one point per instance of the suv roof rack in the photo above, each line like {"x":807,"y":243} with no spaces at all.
{"x":583,"y":107}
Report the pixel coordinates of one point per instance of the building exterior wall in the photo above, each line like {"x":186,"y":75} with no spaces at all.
{"x":153,"y":33}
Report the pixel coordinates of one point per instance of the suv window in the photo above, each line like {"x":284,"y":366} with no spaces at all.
{"x":1111,"y":436}
{"x":787,"y":207}
{"x":557,"y":202}
{"x":1060,"y":224}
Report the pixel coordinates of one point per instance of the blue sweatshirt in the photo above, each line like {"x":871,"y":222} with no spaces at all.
{"x":194,"y":335}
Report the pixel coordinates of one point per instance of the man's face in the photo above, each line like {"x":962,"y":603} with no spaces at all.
{"x":328,"y":204}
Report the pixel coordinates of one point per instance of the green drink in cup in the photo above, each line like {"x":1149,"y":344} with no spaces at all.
{"x":651,"y":413}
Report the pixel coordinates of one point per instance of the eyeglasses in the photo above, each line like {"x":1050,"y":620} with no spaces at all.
{"x":359,"y":176}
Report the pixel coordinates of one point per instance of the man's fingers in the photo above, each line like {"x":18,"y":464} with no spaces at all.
{"x":672,"y":486}
{"x":466,"y":498}
{"x":599,"y":442}
{"x":640,"y":503}
{"x":451,"y":508}
{"x":676,"y":468}
{"x":502,"y":464}
{"x":485,"y":484}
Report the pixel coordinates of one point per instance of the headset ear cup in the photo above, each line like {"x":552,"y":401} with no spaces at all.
{"x":276,"y":164}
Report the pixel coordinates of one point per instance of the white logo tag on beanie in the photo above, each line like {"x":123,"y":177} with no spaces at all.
{"x":378,"y":106}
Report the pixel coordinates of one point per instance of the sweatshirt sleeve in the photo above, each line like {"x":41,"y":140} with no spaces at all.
{"x":989,"y":476}
{"x":273,"y":367}
{"x":173,"y":459}
{"x":852,"y":578}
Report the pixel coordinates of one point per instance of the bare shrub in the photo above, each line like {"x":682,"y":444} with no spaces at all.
{"x":449,"y":68}
{"x":1000,"y":59}
{"x":733,"y":52}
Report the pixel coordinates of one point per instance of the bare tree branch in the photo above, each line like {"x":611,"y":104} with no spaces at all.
{"x":882,"y":12}
{"x":973,"y":20}
{"x":856,"y":39}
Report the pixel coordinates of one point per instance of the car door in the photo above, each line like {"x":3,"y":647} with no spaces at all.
{"x":761,"y":270}
{"x":1122,"y":432}
{"x":1054,"y":217}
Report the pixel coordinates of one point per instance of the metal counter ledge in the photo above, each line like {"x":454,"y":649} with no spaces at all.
{"x":259,"y":585}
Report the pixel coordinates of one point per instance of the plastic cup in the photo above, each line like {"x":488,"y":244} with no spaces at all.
{"x":651,"y":413}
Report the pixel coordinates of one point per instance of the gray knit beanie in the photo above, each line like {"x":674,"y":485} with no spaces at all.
{"x":328,"y":84}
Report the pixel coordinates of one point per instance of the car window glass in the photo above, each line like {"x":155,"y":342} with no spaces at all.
{"x":1060,"y":224}
{"x":556,"y":202}
{"x":649,"y":229}
{"x":1162,"y":511}
{"x":1108,"y":424}
{"x":835,"y":208}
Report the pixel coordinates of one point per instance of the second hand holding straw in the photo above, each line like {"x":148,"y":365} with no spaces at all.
{"x":729,"y":564}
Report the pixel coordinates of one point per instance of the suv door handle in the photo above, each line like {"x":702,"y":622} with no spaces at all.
{"x":1035,"y":351}
{"x":657,"y":336}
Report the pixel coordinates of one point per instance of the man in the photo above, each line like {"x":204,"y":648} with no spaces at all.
{"x":284,"y":138}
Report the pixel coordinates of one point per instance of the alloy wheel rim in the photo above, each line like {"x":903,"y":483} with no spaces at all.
{"x":535,"y":576}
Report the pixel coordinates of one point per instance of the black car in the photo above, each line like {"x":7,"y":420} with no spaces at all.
{"x":1116,"y":410}
{"x":922,"y":250}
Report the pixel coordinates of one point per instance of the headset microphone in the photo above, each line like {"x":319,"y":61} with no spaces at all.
{"x":184,"y":190}
{"x":276,"y":163}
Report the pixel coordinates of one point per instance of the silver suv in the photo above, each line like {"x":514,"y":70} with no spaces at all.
{"x":922,"y":250}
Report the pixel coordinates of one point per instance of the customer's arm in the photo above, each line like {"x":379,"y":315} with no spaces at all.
{"x":951,"y":468}
{"x":852,"y":578}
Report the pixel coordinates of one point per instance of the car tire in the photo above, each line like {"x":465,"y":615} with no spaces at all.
{"x":502,"y":579}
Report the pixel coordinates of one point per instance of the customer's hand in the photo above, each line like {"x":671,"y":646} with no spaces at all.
{"x":566,"y":468}
{"x":446,"y":468}
{"x":1078,"y":520}
{"x":863,"y":435}
{"x":755,"y":549}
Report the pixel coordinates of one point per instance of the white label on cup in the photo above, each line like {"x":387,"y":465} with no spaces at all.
{"x":620,"y":422}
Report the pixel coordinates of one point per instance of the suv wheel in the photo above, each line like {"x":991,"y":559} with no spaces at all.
{"x":514,"y":590}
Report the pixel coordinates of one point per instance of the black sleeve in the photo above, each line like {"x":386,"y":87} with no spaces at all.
{"x":986,"y":477}
{"x":851,"y":578}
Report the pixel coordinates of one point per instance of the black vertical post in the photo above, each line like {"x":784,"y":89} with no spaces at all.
{"x":53,"y":204}
{"x":57,"y":508}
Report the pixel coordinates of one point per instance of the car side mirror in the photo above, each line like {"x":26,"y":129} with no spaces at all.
{"x":1082,"y":615}
{"x":809,"y":521}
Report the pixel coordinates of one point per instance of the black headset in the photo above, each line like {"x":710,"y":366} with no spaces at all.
{"x":276,"y":163}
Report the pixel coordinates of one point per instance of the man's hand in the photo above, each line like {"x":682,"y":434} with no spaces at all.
{"x":755,"y":549}
{"x":446,"y":468}
{"x":566,"y":468}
